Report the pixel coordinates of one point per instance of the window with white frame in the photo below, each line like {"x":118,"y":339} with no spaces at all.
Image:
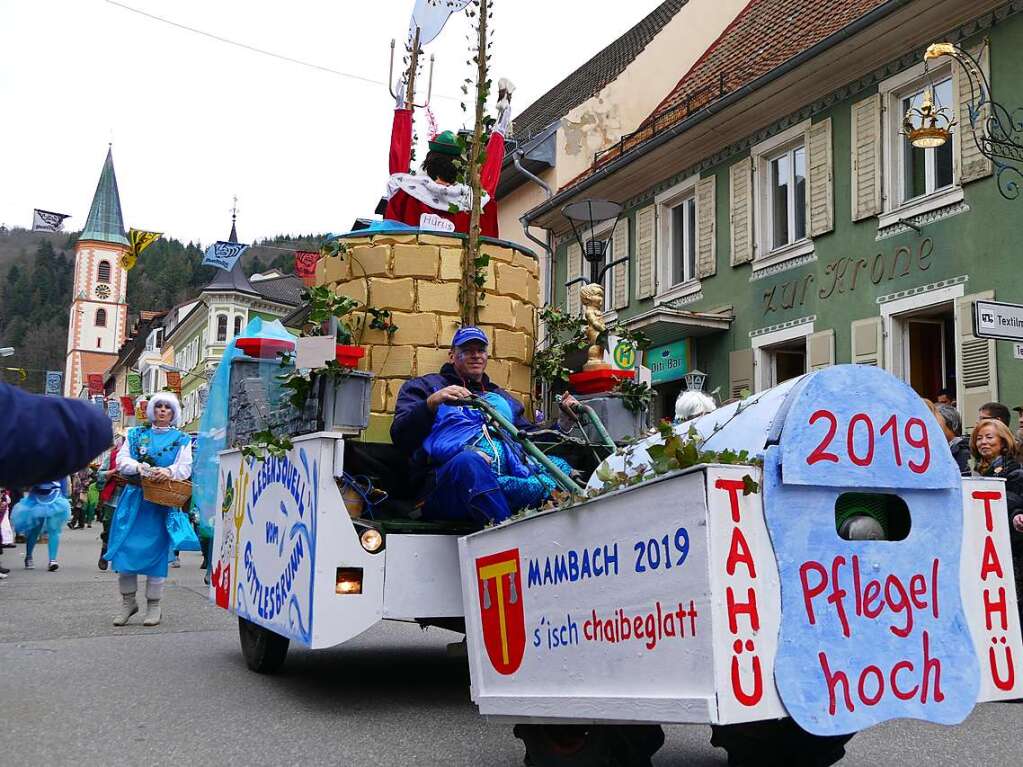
{"x":676,"y":240}
{"x":924,"y":171}
{"x":785,"y":216}
{"x":917,"y":180}
{"x":221,"y":328}
{"x":682,"y":237}
{"x":780,"y":196}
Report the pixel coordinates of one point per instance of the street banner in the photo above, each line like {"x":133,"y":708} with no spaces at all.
{"x":139,"y":240}
{"x":114,"y":409}
{"x":128,"y":405}
{"x":134,"y":384}
{"x":48,"y":221}
{"x":430,"y":16}
{"x":223,"y":255}
{"x":95,"y":381}
{"x":305,"y":265}
{"x":174,"y":382}
{"x":54,"y":383}
{"x":99,"y":401}
{"x":140,"y":410}
{"x":204,"y":396}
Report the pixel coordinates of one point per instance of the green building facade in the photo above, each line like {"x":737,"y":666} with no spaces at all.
{"x":799,"y":228}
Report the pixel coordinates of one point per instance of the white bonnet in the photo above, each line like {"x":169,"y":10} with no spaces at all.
{"x":167,"y":398}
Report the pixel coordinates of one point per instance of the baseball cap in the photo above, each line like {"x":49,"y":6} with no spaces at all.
{"x":468,"y":333}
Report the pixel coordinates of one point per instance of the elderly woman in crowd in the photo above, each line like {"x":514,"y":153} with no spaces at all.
{"x":139,"y":543}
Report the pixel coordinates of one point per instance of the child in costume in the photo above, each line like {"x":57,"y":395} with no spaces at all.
{"x":435,"y":193}
{"x":139,"y":542}
{"x":45,"y":508}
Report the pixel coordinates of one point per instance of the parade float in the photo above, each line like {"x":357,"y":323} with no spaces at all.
{"x":705,"y":574}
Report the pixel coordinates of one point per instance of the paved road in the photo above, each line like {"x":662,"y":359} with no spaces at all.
{"x":75,"y":690}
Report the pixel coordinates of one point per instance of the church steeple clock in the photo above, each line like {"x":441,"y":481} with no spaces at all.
{"x":99,"y":309}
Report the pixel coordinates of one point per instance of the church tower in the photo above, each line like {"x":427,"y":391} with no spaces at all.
{"x":99,"y":309}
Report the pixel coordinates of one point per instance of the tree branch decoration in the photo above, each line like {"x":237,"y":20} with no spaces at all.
{"x":473,"y":155}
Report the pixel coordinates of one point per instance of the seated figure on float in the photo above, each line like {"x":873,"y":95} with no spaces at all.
{"x":461,"y":470}
{"x":434,"y":199}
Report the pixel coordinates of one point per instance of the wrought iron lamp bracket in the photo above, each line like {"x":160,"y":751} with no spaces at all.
{"x":997,"y":130}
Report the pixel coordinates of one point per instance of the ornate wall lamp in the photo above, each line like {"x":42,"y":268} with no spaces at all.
{"x":997,"y":131}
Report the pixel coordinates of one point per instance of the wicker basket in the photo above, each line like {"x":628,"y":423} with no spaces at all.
{"x":172,"y":492}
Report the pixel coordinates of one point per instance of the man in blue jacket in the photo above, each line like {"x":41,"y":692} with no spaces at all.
{"x":42,"y":438}
{"x":464,"y":488}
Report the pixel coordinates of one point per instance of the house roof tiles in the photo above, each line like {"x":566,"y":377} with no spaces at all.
{"x":764,"y":36}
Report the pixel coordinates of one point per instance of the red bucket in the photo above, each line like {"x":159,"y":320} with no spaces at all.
{"x":265,"y":348}
{"x":349,"y":356}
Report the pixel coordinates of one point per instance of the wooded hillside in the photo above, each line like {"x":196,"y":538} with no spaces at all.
{"x":36,"y":278}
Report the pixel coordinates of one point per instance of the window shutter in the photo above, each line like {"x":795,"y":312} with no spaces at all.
{"x":972,"y":164}
{"x":975,"y":361}
{"x":645,"y":227}
{"x":740,"y":373}
{"x":821,"y":348}
{"x":706,"y":230}
{"x":866,"y":158}
{"x":821,"y":200}
{"x":620,"y":248}
{"x":868,"y":342}
{"x":575,"y":269}
{"x":740,"y":216}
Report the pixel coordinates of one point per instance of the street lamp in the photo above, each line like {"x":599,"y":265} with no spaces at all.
{"x":586,"y":216}
{"x":695,"y":379}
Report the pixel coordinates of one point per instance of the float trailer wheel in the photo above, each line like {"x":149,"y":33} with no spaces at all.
{"x":777,"y":743}
{"x":549,"y":745}
{"x":263,"y":650}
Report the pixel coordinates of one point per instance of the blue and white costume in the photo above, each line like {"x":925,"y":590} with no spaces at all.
{"x":44,"y":509}
{"x":138,"y":541}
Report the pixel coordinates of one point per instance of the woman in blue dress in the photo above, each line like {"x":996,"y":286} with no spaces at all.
{"x":138,"y":542}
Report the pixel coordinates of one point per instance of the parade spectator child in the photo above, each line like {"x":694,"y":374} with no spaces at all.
{"x":44,"y":509}
{"x":91,"y":500}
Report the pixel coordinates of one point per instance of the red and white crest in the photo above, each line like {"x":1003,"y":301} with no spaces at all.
{"x":502,"y":617}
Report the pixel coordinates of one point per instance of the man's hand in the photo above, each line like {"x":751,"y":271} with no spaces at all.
{"x":446,"y":395}
{"x":1017,"y":522}
{"x":566,"y":405}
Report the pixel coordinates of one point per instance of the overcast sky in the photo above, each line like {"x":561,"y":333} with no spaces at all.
{"x":195,"y":121}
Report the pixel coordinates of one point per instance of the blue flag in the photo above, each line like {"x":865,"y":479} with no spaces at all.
{"x":223,"y":255}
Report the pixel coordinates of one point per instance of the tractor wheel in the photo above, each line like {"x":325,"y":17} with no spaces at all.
{"x":549,"y":745}
{"x":777,"y":743}
{"x":263,"y":650}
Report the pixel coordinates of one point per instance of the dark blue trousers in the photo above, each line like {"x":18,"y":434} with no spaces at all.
{"x":466,"y":489}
